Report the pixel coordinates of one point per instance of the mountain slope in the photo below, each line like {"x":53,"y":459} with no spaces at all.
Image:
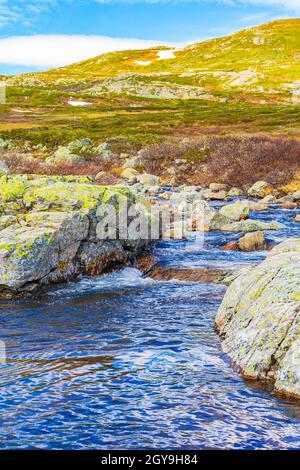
{"x":264,"y":59}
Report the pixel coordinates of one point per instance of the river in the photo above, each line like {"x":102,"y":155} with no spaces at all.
{"x":123,"y":362}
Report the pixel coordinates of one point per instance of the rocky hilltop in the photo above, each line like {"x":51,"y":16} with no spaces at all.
{"x":259,"y":320}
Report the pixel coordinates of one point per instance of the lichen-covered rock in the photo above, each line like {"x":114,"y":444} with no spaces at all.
{"x":26,"y":254}
{"x":251,"y":225}
{"x":237,"y":211}
{"x":45,"y":224}
{"x":64,"y":155}
{"x":259,"y":319}
{"x":259,"y":190}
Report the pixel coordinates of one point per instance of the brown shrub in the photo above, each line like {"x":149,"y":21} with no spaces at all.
{"x":235,"y":160}
{"x":239,"y":160}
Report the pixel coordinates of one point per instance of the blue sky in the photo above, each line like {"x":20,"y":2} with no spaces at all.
{"x":40,"y":34}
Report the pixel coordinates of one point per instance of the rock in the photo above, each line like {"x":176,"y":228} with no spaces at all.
{"x":231,"y":246}
{"x":236,"y":192}
{"x":104,"y":147}
{"x":258,"y":207}
{"x":214,"y":195}
{"x":270,"y":199}
{"x":297,"y":218}
{"x":289,"y":205}
{"x":251,"y":225}
{"x":237,"y":211}
{"x":259,"y":320}
{"x":254,"y":241}
{"x":286,"y":198}
{"x":259,"y":190}
{"x":7,"y":220}
{"x":216,"y":187}
{"x":153,"y":190}
{"x":83,"y":147}
{"x":52,"y":225}
{"x":100,"y":176}
{"x":186,"y":196}
{"x":130,"y":174}
{"x":3,"y":168}
{"x":218,"y":221}
{"x":148,"y":180}
{"x":64,"y":155}
{"x":296,"y":196}
{"x":132,"y":162}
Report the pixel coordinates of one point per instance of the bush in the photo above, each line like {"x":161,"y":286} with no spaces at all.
{"x":236,"y":160}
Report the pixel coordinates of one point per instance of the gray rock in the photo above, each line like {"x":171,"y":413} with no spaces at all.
{"x":259,"y":320}
{"x":260,"y":189}
{"x":251,"y":225}
{"x":237,"y":211}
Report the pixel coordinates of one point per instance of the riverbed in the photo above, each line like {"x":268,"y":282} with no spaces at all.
{"x":125,"y":362}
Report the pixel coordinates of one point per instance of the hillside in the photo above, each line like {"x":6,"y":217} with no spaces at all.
{"x":246,"y":82}
{"x":261,"y":60}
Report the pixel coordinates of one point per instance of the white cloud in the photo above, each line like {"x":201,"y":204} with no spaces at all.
{"x":288,"y":4}
{"x":46,"y":51}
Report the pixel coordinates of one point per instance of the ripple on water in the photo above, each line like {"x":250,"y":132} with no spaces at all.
{"x":120,"y":361}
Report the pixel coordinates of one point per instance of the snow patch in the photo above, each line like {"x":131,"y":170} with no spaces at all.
{"x":166,"y":55}
{"x":79,"y":103}
{"x":143,"y":62}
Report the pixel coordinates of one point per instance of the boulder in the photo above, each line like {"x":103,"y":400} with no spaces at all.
{"x":218,"y":221}
{"x":259,"y":320}
{"x":148,"y":180}
{"x":214,"y":195}
{"x":44,"y":224}
{"x":251,"y":225}
{"x":254,"y":241}
{"x":270,"y":199}
{"x":216,"y":187}
{"x":236,"y":192}
{"x":296,"y":196}
{"x":259,"y":190}
{"x":130,"y":174}
{"x":258,"y":206}
{"x":297,"y":218}
{"x":64,"y":155}
{"x":289,"y":205}
{"x":237,"y":211}
{"x":82,"y":147}
{"x":3,"y":168}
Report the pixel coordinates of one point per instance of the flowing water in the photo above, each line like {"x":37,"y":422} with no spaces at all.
{"x":123,"y":362}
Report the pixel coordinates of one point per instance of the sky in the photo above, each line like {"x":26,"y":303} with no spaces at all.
{"x":42,"y":34}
